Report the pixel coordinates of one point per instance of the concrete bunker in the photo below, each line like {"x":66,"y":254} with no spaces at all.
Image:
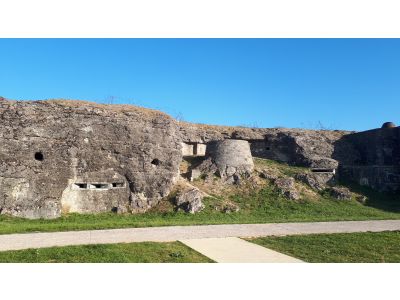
{"x":96,"y":192}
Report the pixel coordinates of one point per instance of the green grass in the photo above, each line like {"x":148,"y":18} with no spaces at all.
{"x":282,"y":167}
{"x":117,"y":253}
{"x":263,"y":205}
{"x":381,"y":247}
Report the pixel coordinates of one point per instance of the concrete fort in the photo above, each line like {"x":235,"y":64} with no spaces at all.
{"x":74,"y":156}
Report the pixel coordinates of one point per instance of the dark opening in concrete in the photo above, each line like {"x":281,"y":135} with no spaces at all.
{"x":81,"y":185}
{"x":155,"y":162}
{"x":100,"y":185}
{"x":114,"y":210}
{"x":39,"y":156}
{"x":321,"y":170}
{"x":118,"y":184}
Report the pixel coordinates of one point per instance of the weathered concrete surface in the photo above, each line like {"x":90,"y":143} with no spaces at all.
{"x":76,"y":156}
{"x":371,"y":158}
{"x":310,"y":148}
{"x":287,"y":187}
{"x":84,"y":157}
{"x":235,"y":250}
{"x":174,"y":233}
{"x":231,"y":154}
{"x":231,"y":158}
{"x":317,"y":181}
{"x":340,"y":193}
{"x":190,"y":200}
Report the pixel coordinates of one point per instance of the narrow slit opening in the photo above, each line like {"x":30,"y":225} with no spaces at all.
{"x":100,"y":185}
{"x":320,"y":170}
{"x":81,"y":185}
{"x":118,"y":184}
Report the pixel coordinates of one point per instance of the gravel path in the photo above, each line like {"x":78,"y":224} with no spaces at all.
{"x":175,"y":233}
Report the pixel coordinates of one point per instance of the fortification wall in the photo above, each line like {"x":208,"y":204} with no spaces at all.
{"x":374,"y":159}
{"x":369,"y":158}
{"x":76,"y":156}
{"x":308,"y":148}
{"x":84,"y":157}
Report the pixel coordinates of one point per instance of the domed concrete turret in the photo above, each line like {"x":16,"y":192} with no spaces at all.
{"x":388,"y":125}
{"x":232,"y":157}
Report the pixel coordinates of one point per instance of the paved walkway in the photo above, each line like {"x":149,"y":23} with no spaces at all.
{"x":235,"y":250}
{"x":174,"y":233}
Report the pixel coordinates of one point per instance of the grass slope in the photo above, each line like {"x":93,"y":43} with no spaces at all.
{"x":381,"y":247}
{"x":259,"y":202}
{"x":262,"y":207}
{"x":116,"y":253}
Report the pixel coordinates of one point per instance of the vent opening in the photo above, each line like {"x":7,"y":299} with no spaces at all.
{"x":99,"y":185}
{"x":39,"y":156}
{"x":155,"y":162}
{"x":81,"y":185}
{"x":118,"y":184}
{"x":321,"y":170}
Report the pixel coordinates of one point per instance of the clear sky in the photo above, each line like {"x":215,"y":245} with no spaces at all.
{"x":334,"y":83}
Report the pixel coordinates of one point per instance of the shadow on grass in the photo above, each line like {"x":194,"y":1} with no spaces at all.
{"x":387,"y":201}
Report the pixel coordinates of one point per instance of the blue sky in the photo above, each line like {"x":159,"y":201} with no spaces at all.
{"x":335,"y":83}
